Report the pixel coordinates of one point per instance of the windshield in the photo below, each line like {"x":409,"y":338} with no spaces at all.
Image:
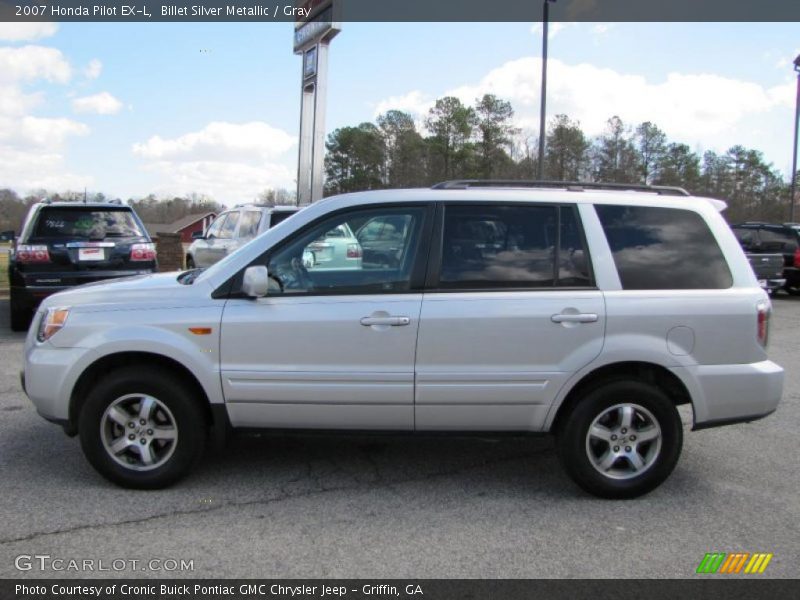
{"x":86,"y":223}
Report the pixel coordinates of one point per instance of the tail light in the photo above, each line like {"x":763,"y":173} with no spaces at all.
{"x":353,"y":251}
{"x":797,"y":257}
{"x":32,"y":254}
{"x":143,"y":252}
{"x":764,"y":310}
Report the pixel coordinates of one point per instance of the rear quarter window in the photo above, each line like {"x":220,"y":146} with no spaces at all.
{"x":663,"y":249}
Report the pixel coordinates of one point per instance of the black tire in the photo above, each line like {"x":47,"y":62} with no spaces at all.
{"x":792,"y":291}
{"x":574,"y":448}
{"x":20,"y":316}
{"x":190,"y":263}
{"x":188,"y":415}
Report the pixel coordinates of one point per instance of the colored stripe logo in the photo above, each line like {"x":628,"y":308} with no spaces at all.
{"x":734,"y":563}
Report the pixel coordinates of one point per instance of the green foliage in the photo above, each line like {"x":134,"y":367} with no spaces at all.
{"x":450,"y":153}
{"x":566,"y":155}
{"x":355,"y":159}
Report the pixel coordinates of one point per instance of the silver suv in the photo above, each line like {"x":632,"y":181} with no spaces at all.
{"x":588,"y":313}
{"x":233,"y":229}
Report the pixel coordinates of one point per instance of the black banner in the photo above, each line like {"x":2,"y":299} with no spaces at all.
{"x":424,"y":589}
{"x":402,"y":10}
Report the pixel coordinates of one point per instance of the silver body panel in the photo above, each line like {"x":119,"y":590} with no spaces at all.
{"x":466,"y":361}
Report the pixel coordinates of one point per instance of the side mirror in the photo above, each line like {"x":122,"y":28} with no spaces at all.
{"x":198,"y":235}
{"x":7,"y":236}
{"x":255,"y":282}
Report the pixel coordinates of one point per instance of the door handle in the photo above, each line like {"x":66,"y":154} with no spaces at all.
{"x":578,"y":318}
{"x":391,"y":321}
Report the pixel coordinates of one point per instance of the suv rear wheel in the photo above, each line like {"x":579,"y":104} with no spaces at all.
{"x":141,"y":431}
{"x":621,"y":440}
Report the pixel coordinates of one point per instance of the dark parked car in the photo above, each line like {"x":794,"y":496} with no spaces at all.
{"x":65,"y":244}
{"x":767,"y":238}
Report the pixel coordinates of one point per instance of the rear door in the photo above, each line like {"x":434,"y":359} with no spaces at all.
{"x":512,"y":313}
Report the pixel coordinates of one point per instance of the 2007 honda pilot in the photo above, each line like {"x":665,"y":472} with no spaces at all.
{"x":588,"y":313}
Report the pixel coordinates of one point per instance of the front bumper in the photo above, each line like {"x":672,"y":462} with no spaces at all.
{"x":725,"y":394}
{"x":49,"y":377}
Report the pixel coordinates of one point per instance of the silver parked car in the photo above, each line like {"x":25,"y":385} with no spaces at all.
{"x":588,"y":313}
{"x":233,"y":229}
{"x":335,"y":249}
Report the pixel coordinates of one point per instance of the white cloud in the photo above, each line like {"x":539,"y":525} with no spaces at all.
{"x":220,"y":141}
{"x":93,"y":69}
{"x":602,"y":28}
{"x":416,"y":103}
{"x":26,"y":32}
{"x":229,"y":161}
{"x":28,"y":63}
{"x":698,"y":108}
{"x":31,"y":147}
{"x":101,"y":104}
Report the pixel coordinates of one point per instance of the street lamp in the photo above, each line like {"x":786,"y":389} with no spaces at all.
{"x":794,"y":155}
{"x":542,"y":116}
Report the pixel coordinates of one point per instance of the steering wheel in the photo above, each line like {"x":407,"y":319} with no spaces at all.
{"x":293,"y":276}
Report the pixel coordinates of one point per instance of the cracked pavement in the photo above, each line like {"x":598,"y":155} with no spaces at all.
{"x":283,"y":506}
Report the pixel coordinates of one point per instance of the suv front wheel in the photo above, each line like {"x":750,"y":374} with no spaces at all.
{"x":141,"y":431}
{"x":621,"y":440}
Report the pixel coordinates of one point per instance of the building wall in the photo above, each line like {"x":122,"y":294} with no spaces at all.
{"x":201,"y":225}
{"x":170,"y":252}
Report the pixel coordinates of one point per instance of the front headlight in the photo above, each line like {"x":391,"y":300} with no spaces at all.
{"x":52,"y":322}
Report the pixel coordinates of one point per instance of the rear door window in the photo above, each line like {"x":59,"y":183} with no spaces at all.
{"x":779,"y":240}
{"x":663,"y":249}
{"x":250,"y":222}
{"x":514,"y":246}
{"x":85,"y":223}
{"x":228,"y":228}
{"x":279,"y":216}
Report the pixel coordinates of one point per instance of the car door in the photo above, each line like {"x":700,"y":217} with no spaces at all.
{"x":248,"y":228}
{"x":225,"y":243}
{"x":204,"y":250}
{"x":330,"y":348}
{"x":511,"y":312}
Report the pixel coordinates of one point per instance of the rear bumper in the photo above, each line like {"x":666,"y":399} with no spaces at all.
{"x":726,"y":394}
{"x":772,"y":284}
{"x":29,"y":293}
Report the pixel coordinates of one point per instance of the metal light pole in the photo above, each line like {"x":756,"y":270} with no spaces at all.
{"x":794,"y":154}
{"x":543,"y":113}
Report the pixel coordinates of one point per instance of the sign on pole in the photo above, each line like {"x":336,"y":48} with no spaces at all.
{"x":312,"y":36}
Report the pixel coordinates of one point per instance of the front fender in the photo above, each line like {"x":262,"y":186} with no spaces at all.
{"x":167,"y":335}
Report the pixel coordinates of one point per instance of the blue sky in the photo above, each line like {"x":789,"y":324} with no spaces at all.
{"x":213,"y":108}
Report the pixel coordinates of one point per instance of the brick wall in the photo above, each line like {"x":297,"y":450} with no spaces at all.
{"x":170,"y":252}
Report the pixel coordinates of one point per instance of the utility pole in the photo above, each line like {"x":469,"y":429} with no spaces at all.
{"x":543,"y":113}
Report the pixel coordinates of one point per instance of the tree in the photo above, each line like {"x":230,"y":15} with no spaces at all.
{"x":651,"y":142}
{"x":405,"y":150}
{"x":679,"y":166}
{"x":615,"y":159}
{"x":277,"y":197}
{"x":355,"y":159}
{"x":494,"y":133}
{"x":567,"y":147}
{"x":451,"y":124}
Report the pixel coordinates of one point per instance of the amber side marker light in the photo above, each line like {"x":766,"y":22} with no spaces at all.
{"x":200,"y":330}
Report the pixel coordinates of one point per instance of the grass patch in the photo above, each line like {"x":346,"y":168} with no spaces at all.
{"x":4,"y":267}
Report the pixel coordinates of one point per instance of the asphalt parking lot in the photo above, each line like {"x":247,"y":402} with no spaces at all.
{"x":381,"y":507}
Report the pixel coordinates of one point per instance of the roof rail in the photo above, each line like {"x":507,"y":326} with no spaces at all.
{"x":572,"y":186}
